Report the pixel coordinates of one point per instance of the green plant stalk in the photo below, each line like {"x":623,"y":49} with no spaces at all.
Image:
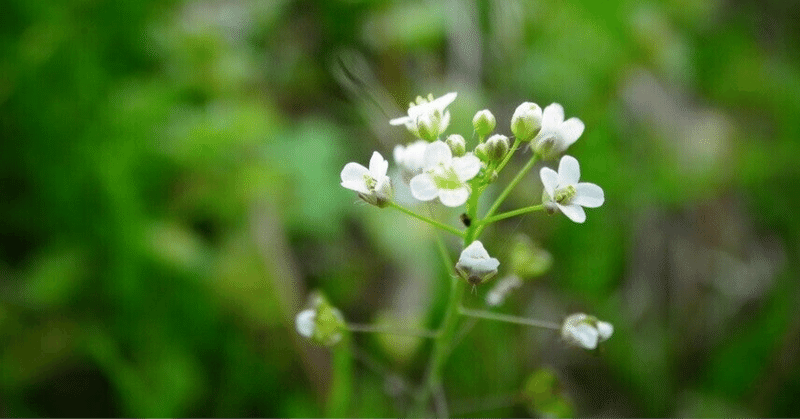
{"x":448,"y":328}
{"x":488,"y":315}
{"x":510,"y":214}
{"x":508,"y":155}
{"x":503,"y":195}
{"x":368,"y":328}
{"x":432,"y":222}
{"x":341,"y":390}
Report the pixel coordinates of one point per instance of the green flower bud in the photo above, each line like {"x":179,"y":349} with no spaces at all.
{"x":484,"y":122}
{"x":323,"y":323}
{"x":482,"y":152}
{"x":497,"y":147}
{"x":457,"y":145}
{"x":526,"y":121}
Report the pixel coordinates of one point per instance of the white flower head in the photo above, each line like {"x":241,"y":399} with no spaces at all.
{"x":427,"y":118}
{"x":372,"y":185}
{"x":444,"y":176}
{"x":556,"y":134}
{"x":411,"y":157}
{"x":585,"y":331}
{"x":475,"y":265}
{"x":563,"y":192}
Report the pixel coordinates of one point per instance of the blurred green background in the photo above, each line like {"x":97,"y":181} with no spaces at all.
{"x":170,"y":193}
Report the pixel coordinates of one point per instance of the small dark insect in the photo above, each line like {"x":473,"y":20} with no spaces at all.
{"x":466,"y":220}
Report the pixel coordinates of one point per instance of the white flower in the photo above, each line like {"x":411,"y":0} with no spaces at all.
{"x":585,"y":331}
{"x":428,"y":117}
{"x":371,"y":184}
{"x":556,"y":134}
{"x":305,"y":322}
{"x":411,"y":158}
{"x":444,"y":176}
{"x":475,"y":265}
{"x":562,"y":190}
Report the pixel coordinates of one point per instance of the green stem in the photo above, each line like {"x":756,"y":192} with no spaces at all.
{"x":509,"y":214}
{"x":368,"y":328}
{"x":528,"y":166}
{"x":488,"y":315}
{"x":508,"y":155}
{"x":341,"y":387}
{"x":432,"y":222}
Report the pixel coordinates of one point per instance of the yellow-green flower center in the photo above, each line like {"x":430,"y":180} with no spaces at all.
{"x":565,"y":195}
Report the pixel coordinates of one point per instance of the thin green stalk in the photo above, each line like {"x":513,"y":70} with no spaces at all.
{"x":368,"y":328}
{"x":341,"y":388}
{"x":432,"y":222}
{"x":509,"y":214}
{"x":488,"y":315}
{"x":508,"y":155}
{"x":525,"y":169}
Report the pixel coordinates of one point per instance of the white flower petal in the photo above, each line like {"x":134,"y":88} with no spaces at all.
{"x":454,"y":197}
{"x":549,"y":180}
{"x":570,"y":131}
{"x":353,"y":177}
{"x":604,"y":330}
{"x":378,"y":166}
{"x":423,"y":187}
{"x":569,"y":170}
{"x":588,"y":195}
{"x":585,"y":335}
{"x":444,"y":101}
{"x":437,"y":153}
{"x":398,"y":153}
{"x":305,"y":322}
{"x":573,"y":212}
{"x":403,"y":120}
{"x":475,"y":250}
{"x":552,"y":117}
{"x":466,"y":167}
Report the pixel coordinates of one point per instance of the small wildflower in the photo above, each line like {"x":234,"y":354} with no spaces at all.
{"x":371,"y":184}
{"x":556,"y":135}
{"x":475,"y":265}
{"x":563,"y":192}
{"x":445,"y":176}
{"x":585,"y":331}
{"x":427,"y":118}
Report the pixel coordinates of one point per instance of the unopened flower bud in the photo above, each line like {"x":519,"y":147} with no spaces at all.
{"x":526,"y":121}
{"x":322,"y":323}
{"x":457,"y":145}
{"x":428,"y":125}
{"x":475,"y":265}
{"x":484,"y":122}
{"x":497,"y":147}
{"x":585,"y":331}
{"x":482,"y":152}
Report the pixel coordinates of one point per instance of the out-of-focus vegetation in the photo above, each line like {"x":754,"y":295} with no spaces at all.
{"x":170,"y":193}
